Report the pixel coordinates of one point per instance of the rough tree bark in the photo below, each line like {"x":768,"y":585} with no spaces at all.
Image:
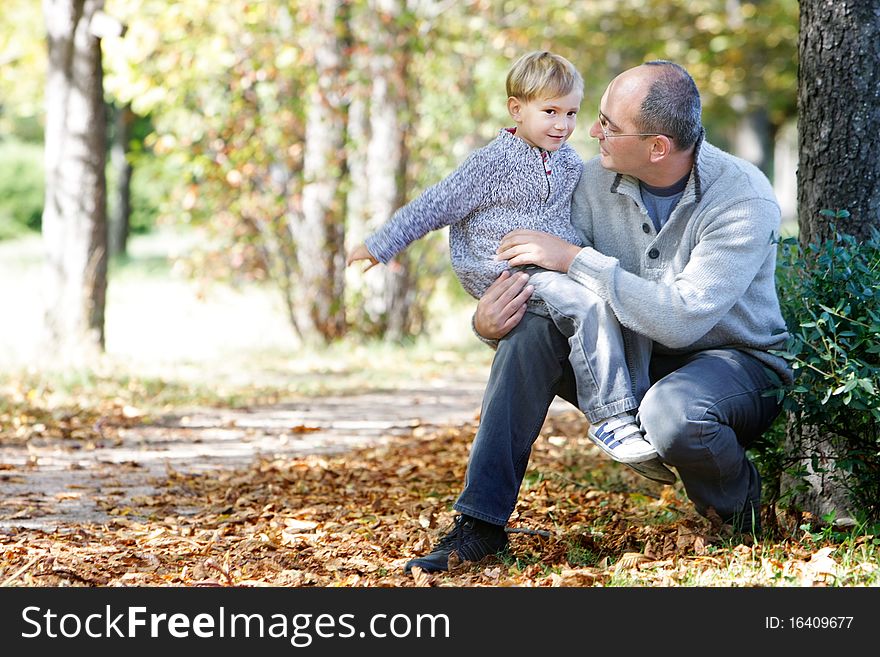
{"x":119,"y":220}
{"x":74,"y":216}
{"x":838,"y":115}
{"x":319,"y":230}
{"x":387,"y":156}
{"x":838,"y":167}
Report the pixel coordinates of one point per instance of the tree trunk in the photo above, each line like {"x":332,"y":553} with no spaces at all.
{"x":74,"y":216}
{"x":838,"y":128}
{"x":388,"y":159}
{"x":838,"y":115}
{"x":752,"y":140}
{"x":785,"y":158}
{"x":364,"y":309}
{"x":319,"y":230}
{"x":119,"y":220}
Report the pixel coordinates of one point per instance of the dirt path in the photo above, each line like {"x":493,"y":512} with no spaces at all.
{"x":56,"y":482}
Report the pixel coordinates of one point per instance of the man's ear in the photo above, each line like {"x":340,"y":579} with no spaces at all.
{"x":661,"y":147}
{"x":514,"y":107}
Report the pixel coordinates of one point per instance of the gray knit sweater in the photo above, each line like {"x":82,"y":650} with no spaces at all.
{"x":706,"y":280}
{"x":498,"y":188}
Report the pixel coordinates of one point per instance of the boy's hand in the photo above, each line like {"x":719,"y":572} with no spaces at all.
{"x":360,"y":252}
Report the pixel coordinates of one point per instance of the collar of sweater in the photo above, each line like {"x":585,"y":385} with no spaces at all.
{"x":693,"y":191}
{"x":509,"y":138}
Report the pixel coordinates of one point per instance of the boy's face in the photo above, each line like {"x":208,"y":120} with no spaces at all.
{"x":546,"y":123}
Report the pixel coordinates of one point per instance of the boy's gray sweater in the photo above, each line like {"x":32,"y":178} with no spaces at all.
{"x":498,"y":188}
{"x":707,"y":279}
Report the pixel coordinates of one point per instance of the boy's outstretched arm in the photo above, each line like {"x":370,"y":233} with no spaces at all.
{"x":361,"y":252}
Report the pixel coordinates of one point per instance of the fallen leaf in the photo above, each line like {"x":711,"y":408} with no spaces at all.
{"x":294,"y":525}
{"x":421,"y":578}
{"x":578,"y":577}
{"x":426,"y":520}
{"x":302,"y":428}
{"x":630,"y":560}
{"x":821,"y":562}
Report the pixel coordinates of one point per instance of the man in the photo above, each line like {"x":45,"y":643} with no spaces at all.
{"x":682,"y":247}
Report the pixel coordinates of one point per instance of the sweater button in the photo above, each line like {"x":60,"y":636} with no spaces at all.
{"x":653,"y":254}
{"x":646,"y":228}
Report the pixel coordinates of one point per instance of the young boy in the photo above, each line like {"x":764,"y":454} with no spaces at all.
{"x":524,"y":179}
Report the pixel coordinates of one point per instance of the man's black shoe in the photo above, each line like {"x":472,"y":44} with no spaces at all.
{"x":469,"y":538}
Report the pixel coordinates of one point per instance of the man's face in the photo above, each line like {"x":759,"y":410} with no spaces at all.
{"x":621,"y":147}
{"x":546,"y":123}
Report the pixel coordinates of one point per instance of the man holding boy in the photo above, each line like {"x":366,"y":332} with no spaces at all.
{"x":681,"y":244}
{"x":524,"y":179}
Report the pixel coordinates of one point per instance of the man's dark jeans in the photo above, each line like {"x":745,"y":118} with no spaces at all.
{"x":701,"y":413}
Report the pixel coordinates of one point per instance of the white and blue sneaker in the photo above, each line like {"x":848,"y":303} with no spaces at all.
{"x":621,"y":438}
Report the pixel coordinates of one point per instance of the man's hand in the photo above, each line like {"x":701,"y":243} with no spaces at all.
{"x":532,"y":247}
{"x":503,"y":305}
{"x":360,"y":252}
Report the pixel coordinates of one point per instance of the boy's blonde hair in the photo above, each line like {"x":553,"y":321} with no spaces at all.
{"x":542,"y":74}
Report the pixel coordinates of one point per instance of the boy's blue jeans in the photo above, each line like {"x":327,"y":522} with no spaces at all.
{"x":610,"y":363}
{"x":701,"y":413}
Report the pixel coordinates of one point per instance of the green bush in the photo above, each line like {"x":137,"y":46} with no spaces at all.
{"x":152,"y":183}
{"x":830,"y":297}
{"x":21,"y":187}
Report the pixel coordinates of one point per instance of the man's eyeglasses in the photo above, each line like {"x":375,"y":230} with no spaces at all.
{"x":603,"y":125}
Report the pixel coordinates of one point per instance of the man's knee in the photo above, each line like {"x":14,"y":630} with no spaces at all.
{"x":665,"y":421}
{"x":535,"y":336}
{"x":533,"y":355}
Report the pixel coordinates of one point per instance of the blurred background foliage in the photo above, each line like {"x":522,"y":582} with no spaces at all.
{"x":221,"y":95}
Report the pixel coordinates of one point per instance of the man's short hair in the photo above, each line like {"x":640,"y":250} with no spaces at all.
{"x":543,"y":74}
{"x":672,"y":106}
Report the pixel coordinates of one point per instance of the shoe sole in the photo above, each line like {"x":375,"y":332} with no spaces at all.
{"x":654,"y":470}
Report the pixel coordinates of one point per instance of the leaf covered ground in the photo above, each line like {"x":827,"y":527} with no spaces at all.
{"x":354,"y":519}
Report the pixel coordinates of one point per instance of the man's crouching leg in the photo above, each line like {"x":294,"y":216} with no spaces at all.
{"x":529,"y":369}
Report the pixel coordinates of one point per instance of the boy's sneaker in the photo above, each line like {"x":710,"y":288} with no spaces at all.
{"x":621,"y":438}
{"x":470,"y":538}
{"x":653,"y":469}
